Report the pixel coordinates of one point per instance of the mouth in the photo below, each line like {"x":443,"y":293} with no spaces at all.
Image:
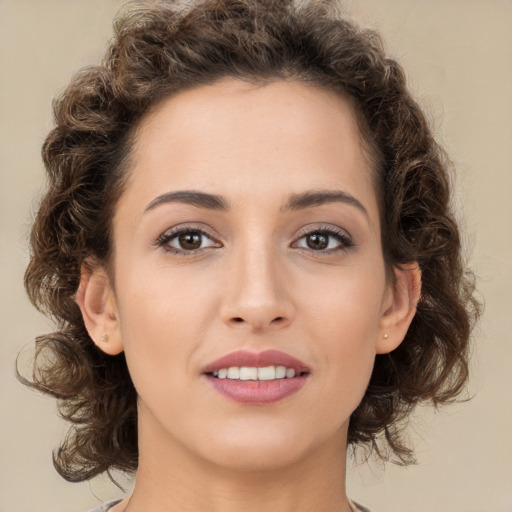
{"x":257,"y":378}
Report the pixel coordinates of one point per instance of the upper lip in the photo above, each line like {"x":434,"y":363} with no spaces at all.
{"x":257,"y":359}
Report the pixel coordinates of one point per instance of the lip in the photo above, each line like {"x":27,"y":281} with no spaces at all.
{"x":257,"y":392}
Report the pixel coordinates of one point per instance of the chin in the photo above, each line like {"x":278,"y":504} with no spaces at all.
{"x":263,"y":449}
{"x":258,"y":458}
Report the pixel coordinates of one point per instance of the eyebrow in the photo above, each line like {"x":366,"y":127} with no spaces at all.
{"x":321,"y":197}
{"x":192,"y":197}
{"x":296,"y":202}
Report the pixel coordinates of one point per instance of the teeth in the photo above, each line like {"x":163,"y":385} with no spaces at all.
{"x":290,"y":373}
{"x":248,"y":373}
{"x":254,"y":373}
{"x":280,"y":372}
{"x":267,"y":373}
{"x":233,"y":373}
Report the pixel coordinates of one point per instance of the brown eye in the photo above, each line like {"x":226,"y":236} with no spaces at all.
{"x":325,"y":240}
{"x":317,"y":241}
{"x":186,"y":240}
{"x":190,"y":241}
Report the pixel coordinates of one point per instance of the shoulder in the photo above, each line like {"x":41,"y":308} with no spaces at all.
{"x":104,"y":507}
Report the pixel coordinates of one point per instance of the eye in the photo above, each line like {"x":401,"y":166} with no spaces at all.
{"x":186,"y":240}
{"x":324,"y":240}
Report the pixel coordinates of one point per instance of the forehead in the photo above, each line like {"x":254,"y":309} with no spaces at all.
{"x":278,"y":108}
{"x":241,"y":138}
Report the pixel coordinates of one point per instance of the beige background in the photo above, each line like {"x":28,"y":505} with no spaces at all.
{"x":458,"y":54}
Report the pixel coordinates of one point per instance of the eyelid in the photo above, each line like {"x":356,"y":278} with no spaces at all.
{"x":345,"y":239}
{"x":341,"y":235}
{"x":171,"y":233}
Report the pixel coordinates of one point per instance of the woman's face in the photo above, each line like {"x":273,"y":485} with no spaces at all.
{"x":249,"y":223}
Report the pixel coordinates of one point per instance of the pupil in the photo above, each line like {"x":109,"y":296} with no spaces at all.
{"x":190,"y":240}
{"x":317,"y":241}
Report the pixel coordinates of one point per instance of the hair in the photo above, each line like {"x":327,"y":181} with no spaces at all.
{"x":163,"y":47}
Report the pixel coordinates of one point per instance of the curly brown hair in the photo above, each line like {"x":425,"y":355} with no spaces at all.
{"x":167,"y":46}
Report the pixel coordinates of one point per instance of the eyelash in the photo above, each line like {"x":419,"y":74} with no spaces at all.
{"x":340,"y":236}
{"x":164,"y":240}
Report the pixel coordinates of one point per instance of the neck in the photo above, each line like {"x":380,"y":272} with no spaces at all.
{"x":173,"y":479}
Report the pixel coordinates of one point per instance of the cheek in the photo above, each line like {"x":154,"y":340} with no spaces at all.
{"x":160,"y":323}
{"x":347,"y":304}
{"x":344,"y":318}
{"x":160,"y":300}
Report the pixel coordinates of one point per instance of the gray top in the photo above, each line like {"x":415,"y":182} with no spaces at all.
{"x":106,"y":506}
{"x":359,"y":508}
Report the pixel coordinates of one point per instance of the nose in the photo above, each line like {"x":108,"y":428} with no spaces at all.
{"x":257,"y":295}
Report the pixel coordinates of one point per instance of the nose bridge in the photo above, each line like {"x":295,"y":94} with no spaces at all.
{"x":256,"y":273}
{"x":256,"y":296}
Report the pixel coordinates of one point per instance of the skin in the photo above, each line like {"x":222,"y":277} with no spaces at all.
{"x":253,"y":284}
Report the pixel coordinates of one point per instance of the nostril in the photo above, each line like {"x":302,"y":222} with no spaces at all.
{"x":257,"y":323}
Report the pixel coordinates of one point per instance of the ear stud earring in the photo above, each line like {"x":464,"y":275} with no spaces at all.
{"x":105,"y":338}
{"x":385,"y":336}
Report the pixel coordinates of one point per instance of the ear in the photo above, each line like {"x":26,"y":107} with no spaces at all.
{"x":399,"y":307}
{"x":96,"y":301}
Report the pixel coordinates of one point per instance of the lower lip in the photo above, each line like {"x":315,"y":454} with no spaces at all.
{"x":257,"y":392}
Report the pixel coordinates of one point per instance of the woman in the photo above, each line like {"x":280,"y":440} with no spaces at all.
{"x":248,"y":247}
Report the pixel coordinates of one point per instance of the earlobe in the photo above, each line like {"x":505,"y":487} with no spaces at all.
{"x":400,"y":307}
{"x":96,"y":301}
